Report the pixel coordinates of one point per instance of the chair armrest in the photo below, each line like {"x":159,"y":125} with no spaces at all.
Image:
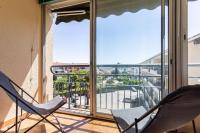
{"x":142,"y":117}
{"x":23,"y":91}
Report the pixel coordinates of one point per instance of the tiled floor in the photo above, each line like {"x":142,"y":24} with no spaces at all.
{"x":72,"y":124}
{"x":76,"y":124}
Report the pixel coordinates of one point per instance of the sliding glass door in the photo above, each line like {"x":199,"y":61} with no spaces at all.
{"x":131,"y":54}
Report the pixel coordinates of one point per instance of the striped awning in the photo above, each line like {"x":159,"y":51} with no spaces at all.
{"x":118,"y":7}
{"x":73,"y":13}
{"x":104,"y":9}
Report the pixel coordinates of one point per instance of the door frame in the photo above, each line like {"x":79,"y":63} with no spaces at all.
{"x":173,"y":53}
{"x":171,"y":56}
{"x":180,"y":41}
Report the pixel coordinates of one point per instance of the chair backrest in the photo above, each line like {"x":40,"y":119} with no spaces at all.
{"x":176,"y":109}
{"x":7,"y":86}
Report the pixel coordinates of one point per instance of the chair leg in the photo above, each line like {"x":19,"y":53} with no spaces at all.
{"x":136,"y":126}
{"x":58,"y":122}
{"x":44,"y":118}
{"x":194,"y":127}
{"x":15,"y":124}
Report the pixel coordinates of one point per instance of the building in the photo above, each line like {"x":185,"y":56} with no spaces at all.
{"x":26,"y":49}
{"x":193,"y":60}
{"x":69,"y":67}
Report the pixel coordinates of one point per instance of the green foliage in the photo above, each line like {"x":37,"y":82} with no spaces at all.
{"x":123,"y":78}
{"x":79,"y":80}
{"x":61,"y":79}
{"x":127,"y":81}
{"x":133,"y":82}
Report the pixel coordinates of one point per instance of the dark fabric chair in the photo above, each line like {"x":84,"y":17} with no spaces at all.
{"x":175,"y":110}
{"x":43,"y":110}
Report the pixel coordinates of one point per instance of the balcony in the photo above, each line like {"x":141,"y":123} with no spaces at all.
{"x":113,"y":92}
{"x":128,"y":32}
{"x":117,"y":87}
{"x":141,"y":87}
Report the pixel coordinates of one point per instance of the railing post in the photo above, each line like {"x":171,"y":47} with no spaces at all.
{"x":112,"y":98}
{"x":124,"y":98}
{"x":130,"y":98}
{"x":106,"y":97}
{"x":87,"y":95}
{"x":100,"y":97}
{"x":74,"y":93}
{"x":140,"y":87}
{"x":138,"y":99}
{"x":117,"y":99}
{"x":139,"y":73}
{"x":54,"y":89}
{"x":69,"y":91}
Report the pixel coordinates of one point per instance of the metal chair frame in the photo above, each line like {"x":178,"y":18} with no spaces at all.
{"x":35,"y":111}
{"x":137,"y":120}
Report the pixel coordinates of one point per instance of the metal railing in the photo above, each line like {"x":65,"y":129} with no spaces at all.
{"x":128,"y":96}
{"x":118,"y":86}
{"x":138,"y":85}
{"x":77,"y":93}
{"x":144,"y":91}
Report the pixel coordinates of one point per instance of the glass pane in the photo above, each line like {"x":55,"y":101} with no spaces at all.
{"x":128,"y":54}
{"x":71,"y":41}
{"x":193,"y":42}
{"x":166,"y":51}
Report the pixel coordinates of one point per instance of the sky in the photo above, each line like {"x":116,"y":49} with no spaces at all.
{"x":130,"y":38}
{"x":193,"y":18}
{"x":71,"y":42}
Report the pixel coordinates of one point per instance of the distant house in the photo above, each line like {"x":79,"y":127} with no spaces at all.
{"x":69,"y":67}
{"x":193,"y":60}
{"x":156,"y":60}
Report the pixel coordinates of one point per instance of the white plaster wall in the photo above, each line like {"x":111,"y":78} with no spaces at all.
{"x":20,"y":36}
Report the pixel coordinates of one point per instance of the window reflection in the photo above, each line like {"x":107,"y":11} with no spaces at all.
{"x":128,"y":48}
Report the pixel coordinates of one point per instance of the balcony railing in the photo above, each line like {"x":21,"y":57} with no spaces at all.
{"x":118,"y":86}
{"x":127,"y":96}
{"x":77,"y":93}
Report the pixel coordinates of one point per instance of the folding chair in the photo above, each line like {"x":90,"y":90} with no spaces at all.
{"x":43,"y":110}
{"x":175,"y":110}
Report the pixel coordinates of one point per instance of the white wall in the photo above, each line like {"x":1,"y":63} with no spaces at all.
{"x":20,"y":36}
{"x":48,"y":57}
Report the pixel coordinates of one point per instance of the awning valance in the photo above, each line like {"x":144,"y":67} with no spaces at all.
{"x":104,"y":9}
{"x":76,"y":13}
{"x":118,"y":7}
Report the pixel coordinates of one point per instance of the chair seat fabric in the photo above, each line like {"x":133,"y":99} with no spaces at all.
{"x":175,"y":110}
{"x":50,"y":106}
{"x":125,"y":117}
